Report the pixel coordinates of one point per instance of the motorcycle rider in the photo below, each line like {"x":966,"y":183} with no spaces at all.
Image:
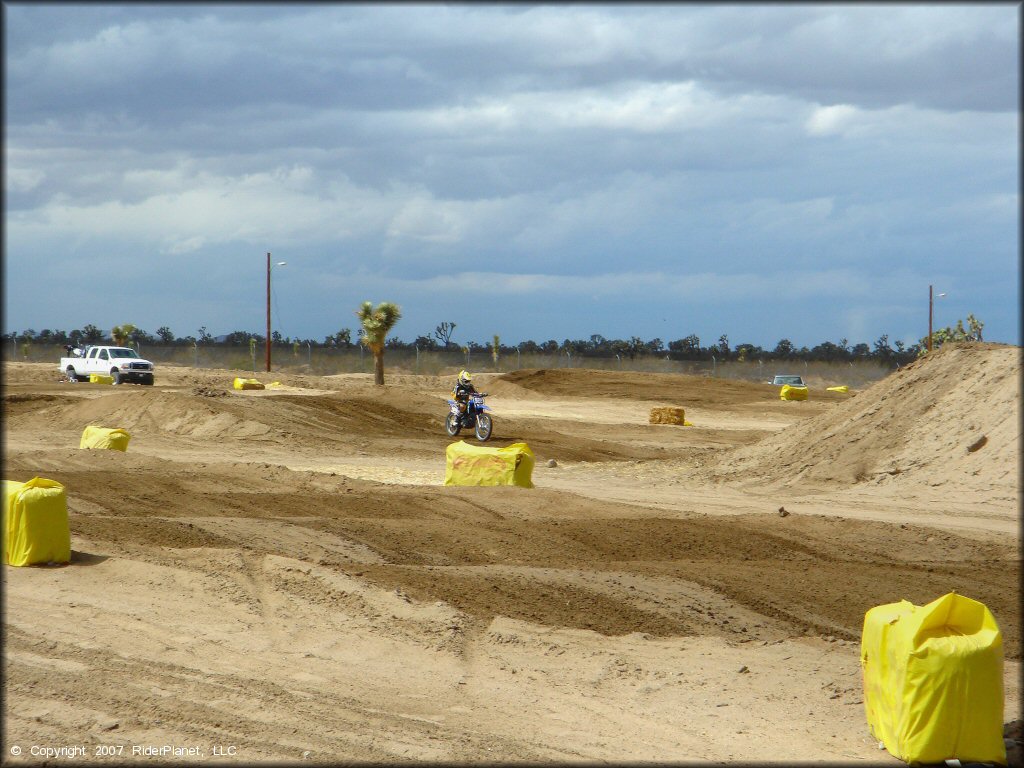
{"x":463,"y":389}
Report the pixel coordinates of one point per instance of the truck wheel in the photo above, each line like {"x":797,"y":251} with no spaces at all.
{"x":148,"y":380}
{"x":72,"y":376}
{"x":116,"y":374}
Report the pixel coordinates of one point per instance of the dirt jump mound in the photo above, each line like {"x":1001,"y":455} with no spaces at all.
{"x":951,"y":417}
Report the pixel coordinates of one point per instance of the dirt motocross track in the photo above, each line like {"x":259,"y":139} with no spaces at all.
{"x":281,"y":575}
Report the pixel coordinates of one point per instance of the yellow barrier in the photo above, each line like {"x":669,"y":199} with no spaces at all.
{"x":247,"y":384}
{"x":36,"y":523}
{"x":843,"y":388}
{"x":102,"y":437}
{"x":100,"y":378}
{"x":933,"y":680}
{"x":475,"y":465}
{"x":789,"y":392}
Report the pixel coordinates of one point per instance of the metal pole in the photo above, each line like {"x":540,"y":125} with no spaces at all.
{"x":268,"y":311}
{"x":930,"y":300}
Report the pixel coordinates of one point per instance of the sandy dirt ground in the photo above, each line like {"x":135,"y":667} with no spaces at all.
{"x":281,"y":575}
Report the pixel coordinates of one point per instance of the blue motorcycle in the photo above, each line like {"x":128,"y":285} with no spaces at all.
{"x":475,"y":417}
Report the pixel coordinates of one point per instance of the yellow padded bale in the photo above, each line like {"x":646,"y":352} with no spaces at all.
{"x":933,"y":680}
{"x":103,"y":437}
{"x":843,"y":388}
{"x":100,"y":378}
{"x":669,"y":415}
{"x":35,"y":523}
{"x":248,"y":384}
{"x":789,"y":392}
{"x":476,"y":465}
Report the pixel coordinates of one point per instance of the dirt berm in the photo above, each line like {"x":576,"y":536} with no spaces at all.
{"x":949,"y":420}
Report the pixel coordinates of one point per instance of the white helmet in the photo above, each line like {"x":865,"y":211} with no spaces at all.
{"x":464,"y":377}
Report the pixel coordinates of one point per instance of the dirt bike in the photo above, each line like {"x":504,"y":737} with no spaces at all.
{"x":474,"y":417}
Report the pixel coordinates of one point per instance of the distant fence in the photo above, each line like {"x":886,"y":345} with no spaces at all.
{"x":326,"y":361}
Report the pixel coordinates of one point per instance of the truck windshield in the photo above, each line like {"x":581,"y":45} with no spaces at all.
{"x":122,"y":352}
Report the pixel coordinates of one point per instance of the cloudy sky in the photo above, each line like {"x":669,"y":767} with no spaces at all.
{"x":799,"y":171}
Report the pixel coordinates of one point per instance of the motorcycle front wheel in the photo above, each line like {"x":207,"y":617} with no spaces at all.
{"x":452,"y":425}
{"x":483,"y":427}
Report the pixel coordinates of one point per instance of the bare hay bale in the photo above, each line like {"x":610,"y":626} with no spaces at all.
{"x":668,"y":416}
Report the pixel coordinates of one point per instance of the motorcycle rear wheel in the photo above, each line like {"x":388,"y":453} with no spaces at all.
{"x":483,"y":427}
{"x":452,"y":425}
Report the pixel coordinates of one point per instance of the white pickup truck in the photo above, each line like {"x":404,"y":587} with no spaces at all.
{"x":122,"y":363}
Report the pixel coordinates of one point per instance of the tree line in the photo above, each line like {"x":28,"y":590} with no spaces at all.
{"x":443,"y":339}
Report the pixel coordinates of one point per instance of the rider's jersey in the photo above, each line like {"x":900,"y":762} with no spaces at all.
{"x":463,"y":391}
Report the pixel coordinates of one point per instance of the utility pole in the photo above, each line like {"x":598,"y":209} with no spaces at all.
{"x":268,"y":311}
{"x":930,"y":301}
{"x":280,"y":264}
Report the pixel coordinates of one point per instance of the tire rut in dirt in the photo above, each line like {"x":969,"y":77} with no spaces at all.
{"x":206,"y":707}
{"x":810,"y":574}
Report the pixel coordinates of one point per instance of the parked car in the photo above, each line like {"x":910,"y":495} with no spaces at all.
{"x":792,"y":380}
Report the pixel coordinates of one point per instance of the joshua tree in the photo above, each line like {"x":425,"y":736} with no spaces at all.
{"x":121,"y":333}
{"x":974,"y":326}
{"x":342,"y":338}
{"x":941,"y":335}
{"x":26,"y":342}
{"x":377,"y":322}
{"x":444,"y":332}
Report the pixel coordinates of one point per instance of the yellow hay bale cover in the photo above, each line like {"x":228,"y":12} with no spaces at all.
{"x":248,"y":384}
{"x":843,"y":388}
{"x":36,"y":523}
{"x":100,"y":378}
{"x":669,"y":415}
{"x":475,"y":465}
{"x":933,"y":680}
{"x":789,"y":392}
{"x":102,"y":437}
